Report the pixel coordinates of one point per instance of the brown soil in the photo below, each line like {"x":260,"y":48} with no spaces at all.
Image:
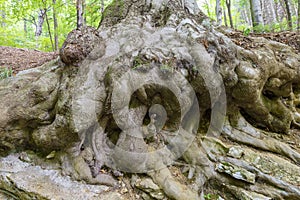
{"x":21,"y":59}
{"x":289,"y":38}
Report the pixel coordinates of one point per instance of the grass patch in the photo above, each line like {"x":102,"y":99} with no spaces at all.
{"x":5,"y":72}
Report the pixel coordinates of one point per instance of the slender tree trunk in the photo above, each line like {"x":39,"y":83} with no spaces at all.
{"x":244,"y":15}
{"x":55,"y":26}
{"x":25,"y":26}
{"x":3,"y":16}
{"x":288,"y":14}
{"x":219,"y":12}
{"x":225,"y":17}
{"x":49,"y":30}
{"x":228,"y":4}
{"x":39,"y":26}
{"x":293,"y":5}
{"x":102,"y":6}
{"x":267,"y":11}
{"x":298,"y":21}
{"x":277,"y":10}
{"x":256,"y":13}
{"x":83,"y":11}
{"x":272,"y":10}
{"x":79,"y":8}
{"x":264,"y":11}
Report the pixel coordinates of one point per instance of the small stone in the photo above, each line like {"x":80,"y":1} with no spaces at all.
{"x":235,"y":152}
{"x":24,"y":157}
{"x":124,"y":190}
{"x":51,"y":155}
{"x":236,"y":172}
{"x":184,"y":72}
{"x":148,"y":186}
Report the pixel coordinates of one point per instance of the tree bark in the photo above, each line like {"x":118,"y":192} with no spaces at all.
{"x":288,"y":14}
{"x":272,"y":10}
{"x":40,"y":22}
{"x":228,"y":4}
{"x":25,"y":26}
{"x":219,"y":12}
{"x":49,"y":30}
{"x":298,"y":21}
{"x":80,"y":14}
{"x":256,"y":13}
{"x":55,"y":26}
{"x":3,"y":17}
{"x":277,"y":10}
{"x":225,"y":16}
{"x":102,"y":7}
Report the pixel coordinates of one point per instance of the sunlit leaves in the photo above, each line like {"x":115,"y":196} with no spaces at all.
{"x":13,"y":33}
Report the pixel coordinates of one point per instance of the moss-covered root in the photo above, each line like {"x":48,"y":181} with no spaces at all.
{"x":171,"y":187}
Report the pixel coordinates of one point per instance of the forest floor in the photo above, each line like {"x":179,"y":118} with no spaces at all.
{"x":289,"y":38}
{"x":21,"y":59}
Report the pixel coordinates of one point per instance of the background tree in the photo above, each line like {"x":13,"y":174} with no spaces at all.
{"x":298,"y":21}
{"x":256,"y":13}
{"x":55,"y":25}
{"x":219,"y":11}
{"x":228,"y":4}
{"x":40,"y":22}
{"x":3,"y":16}
{"x":288,"y":14}
{"x":80,"y":14}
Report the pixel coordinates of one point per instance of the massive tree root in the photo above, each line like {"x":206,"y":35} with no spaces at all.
{"x":162,"y":92}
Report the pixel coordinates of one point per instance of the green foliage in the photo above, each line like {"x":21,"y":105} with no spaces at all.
{"x":211,"y":196}
{"x":240,"y":10}
{"x":12,"y":33}
{"x":259,"y":28}
{"x":5,"y":72}
{"x":137,"y":62}
{"x":207,"y":196}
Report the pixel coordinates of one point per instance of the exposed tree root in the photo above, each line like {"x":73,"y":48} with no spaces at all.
{"x":265,"y":143}
{"x":285,"y":189}
{"x":171,"y":187}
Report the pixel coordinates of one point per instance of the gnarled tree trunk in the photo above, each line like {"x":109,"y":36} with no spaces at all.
{"x":161,"y":98}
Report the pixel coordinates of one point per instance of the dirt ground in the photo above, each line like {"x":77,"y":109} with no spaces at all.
{"x":21,"y":59}
{"x":289,"y":38}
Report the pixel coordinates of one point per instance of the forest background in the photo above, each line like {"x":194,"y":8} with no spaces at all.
{"x":44,"y":24}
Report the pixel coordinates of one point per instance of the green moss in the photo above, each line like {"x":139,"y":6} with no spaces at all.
{"x":166,"y":67}
{"x":211,"y":196}
{"x":139,"y":62}
{"x":116,"y":11}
